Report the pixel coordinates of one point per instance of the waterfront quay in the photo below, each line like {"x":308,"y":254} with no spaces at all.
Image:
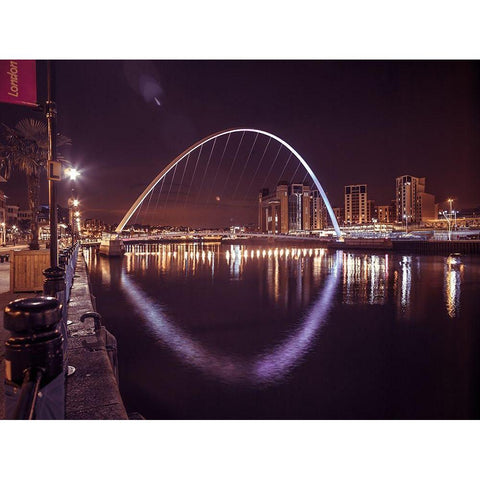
{"x":92,"y":391}
{"x":424,"y":247}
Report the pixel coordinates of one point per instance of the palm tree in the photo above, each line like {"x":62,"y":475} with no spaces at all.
{"x":25,"y":148}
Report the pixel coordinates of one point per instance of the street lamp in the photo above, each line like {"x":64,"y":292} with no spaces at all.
{"x":14,"y":234}
{"x":72,"y":173}
{"x":453,"y":213}
{"x":73,"y":203}
{"x":448,"y":219}
{"x":4,"y":233}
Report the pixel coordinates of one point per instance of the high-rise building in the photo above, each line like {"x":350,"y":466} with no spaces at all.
{"x":285,"y":210}
{"x":371,"y":208}
{"x":298,"y":207}
{"x":339,"y":213}
{"x":356,"y":206}
{"x":318,"y":211}
{"x":413,"y":204}
{"x":385,"y":213}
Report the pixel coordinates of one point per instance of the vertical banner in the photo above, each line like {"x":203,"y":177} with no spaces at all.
{"x":18,"y":82}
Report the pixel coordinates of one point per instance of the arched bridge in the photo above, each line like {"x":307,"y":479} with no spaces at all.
{"x":213,"y":137}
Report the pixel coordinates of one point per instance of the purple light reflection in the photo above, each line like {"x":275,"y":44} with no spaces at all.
{"x":265,"y":368}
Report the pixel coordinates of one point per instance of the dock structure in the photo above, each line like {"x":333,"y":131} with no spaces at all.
{"x":92,"y":391}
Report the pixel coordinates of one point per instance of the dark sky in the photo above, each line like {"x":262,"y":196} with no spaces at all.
{"x":353,"y":121}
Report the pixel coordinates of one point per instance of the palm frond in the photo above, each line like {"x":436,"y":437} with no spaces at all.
{"x":33,"y":129}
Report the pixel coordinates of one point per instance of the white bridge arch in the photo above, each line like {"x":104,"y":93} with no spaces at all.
{"x":189,"y":150}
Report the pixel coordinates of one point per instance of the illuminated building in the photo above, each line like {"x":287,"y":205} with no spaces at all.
{"x":94,"y":226}
{"x":12,"y":214}
{"x":318,"y":211}
{"x":25,"y":215}
{"x":385,"y":213}
{"x":356,"y":206}
{"x":413,"y":204}
{"x":370,"y":210}
{"x":285,"y":210}
{"x":340,"y":214}
{"x":298,"y":207}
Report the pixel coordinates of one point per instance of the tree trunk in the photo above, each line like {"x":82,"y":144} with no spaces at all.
{"x":33,"y":182}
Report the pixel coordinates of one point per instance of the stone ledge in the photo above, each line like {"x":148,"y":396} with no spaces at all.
{"x":92,"y":391}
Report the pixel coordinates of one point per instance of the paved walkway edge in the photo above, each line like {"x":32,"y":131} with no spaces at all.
{"x":92,"y":392}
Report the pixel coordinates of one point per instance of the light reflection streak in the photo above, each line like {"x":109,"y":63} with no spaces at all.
{"x":365,"y":278}
{"x":406,"y":281}
{"x":265,"y":368}
{"x":452,"y":288}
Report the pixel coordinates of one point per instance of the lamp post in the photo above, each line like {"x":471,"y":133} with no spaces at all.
{"x":4,"y":232}
{"x":448,"y":219}
{"x":73,"y":203}
{"x":14,"y":234}
{"x":51,"y":113}
{"x":453,"y":213}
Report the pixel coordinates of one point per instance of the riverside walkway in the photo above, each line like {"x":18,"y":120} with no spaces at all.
{"x":92,"y":391}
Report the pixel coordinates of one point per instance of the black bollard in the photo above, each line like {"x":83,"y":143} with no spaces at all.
{"x":54,"y":282}
{"x":62,"y":260}
{"x":34,"y":372}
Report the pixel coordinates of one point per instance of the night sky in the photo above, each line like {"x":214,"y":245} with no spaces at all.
{"x":353,"y":121}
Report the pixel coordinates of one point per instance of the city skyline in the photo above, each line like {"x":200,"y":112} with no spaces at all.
{"x":419,"y":114}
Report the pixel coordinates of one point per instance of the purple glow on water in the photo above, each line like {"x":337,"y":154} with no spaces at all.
{"x":264,"y":368}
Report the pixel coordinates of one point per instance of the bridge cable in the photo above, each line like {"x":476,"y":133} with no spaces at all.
{"x":148,"y":206}
{"x":233,"y":162}
{"x":272,"y":165}
{"x":158,"y":198}
{"x":193,"y":176}
{"x":281,"y":175}
{"x":206,"y":168}
{"x":218,"y":166}
{"x":258,"y":166}
{"x":294,"y":173}
{"x":137,"y":213}
{"x":183,"y":175}
{"x":245,"y":165}
{"x":171,"y":183}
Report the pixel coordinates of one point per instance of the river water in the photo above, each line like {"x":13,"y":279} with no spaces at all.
{"x":210,"y":331}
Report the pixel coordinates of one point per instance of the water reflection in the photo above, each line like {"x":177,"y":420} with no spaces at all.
{"x":365,"y":279}
{"x":452,"y":286}
{"x":280,"y":268}
{"x":259,"y":332}
{"x":288,"y":276}
{"x":265,"y":368}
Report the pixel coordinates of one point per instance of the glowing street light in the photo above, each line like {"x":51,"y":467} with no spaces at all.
{"x":72,"y":173}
